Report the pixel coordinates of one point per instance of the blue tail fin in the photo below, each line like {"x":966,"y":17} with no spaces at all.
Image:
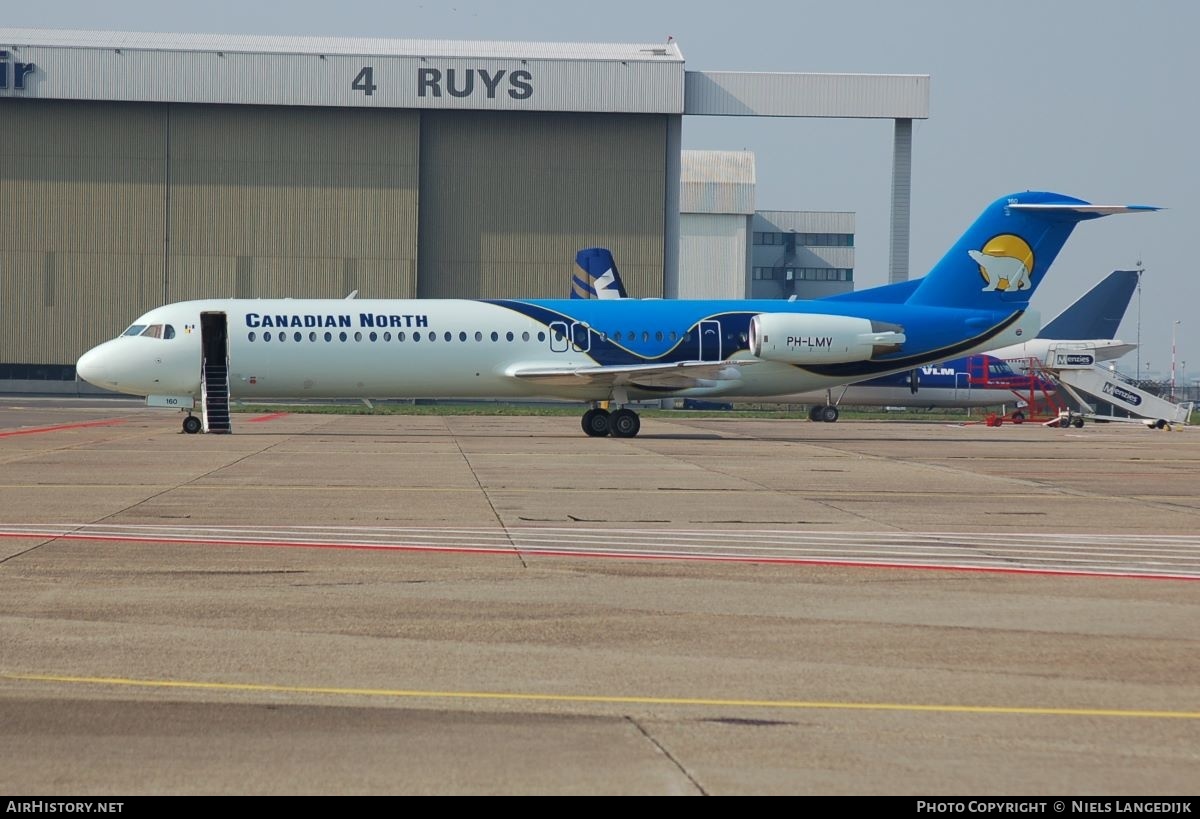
{"x":1002,"y":258}
{"x":1098,"y":312}
{"x":597,"y":277}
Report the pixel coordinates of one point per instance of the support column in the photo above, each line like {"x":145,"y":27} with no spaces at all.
{"x":901,"y":195}
{"x":674,"y":160}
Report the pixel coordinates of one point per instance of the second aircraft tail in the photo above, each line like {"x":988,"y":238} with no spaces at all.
{"x":597,"y":276}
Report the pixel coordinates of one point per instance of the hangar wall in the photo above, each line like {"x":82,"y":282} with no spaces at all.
{"x":114,"y":208}
{"x":508,"y":198}
{"x":272,"y":202}
{"x":81,"y":230}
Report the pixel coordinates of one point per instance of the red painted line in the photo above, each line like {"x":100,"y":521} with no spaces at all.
{"x":271,"y":417}
{"x":59,"y":427}
{"x":481,"y":550}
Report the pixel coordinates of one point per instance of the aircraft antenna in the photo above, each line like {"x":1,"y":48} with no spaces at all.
{"x":1140,"y":271}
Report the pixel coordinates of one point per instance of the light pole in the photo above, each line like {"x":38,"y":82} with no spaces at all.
{"x":1174,"y":327}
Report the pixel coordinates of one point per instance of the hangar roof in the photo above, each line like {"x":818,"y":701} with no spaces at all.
{"x":359,"y":46}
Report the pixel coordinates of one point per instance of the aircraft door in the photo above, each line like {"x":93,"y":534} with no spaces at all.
{"x":214,"y":337}
{"x":559,"y":341}
{"x":962,"y":386}
{"x":710,"y":340}
{"x":581,"y":337}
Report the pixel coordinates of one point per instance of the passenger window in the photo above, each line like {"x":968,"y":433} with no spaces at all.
{"x":297,"y":336}
{"x":525,"y":336}
{"x":387,"y":336}
{"x":312,"y":335}
{"x":496,"y":336}
{"x":416,"y":336}
{"x":252,"y":336}
{"x":478,"y":336}
{"x":658,"y":336}
{"x":399,"y":336}
{"x":342,"y":335}
{"x":328,"y":336}
{"x":462,"y":336}
{"x":374,"y":336}
{"x":541,"y":336}
{"x":267,"y":336}
{"x":448,"y":336}
{"x":645,"y":335}
{"x":358,"y":335}
{"x":674,"y":336}
{"x":509,"y":335}
{"x":617,"y":336}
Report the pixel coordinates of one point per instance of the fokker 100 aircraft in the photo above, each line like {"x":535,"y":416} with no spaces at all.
{"x":1089,"y":325}
{"x":606,"y":350}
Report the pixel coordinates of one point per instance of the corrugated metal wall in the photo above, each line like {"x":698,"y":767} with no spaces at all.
{"x":110,"y":209}
{"x":272,"y":202}
{"x":81,"y":224}
{"x":712,"y":258}
{"x":507,"y":200}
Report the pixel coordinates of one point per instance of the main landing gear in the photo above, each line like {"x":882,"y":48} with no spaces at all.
{"x":823,"y":412}
{"x":624,"y":423}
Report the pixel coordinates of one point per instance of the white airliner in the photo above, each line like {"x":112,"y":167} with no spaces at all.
{"x":594,"y":351}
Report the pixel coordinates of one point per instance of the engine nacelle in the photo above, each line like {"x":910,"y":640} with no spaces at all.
{"x":799,"y":338}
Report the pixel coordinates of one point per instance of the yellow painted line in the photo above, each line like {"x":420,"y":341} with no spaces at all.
{"x":608,"y":700}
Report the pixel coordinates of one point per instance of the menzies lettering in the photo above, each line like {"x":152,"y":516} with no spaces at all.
{"x":461,"y":83}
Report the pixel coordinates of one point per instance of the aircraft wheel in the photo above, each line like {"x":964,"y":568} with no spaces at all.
{"x":625,"y":423}
{"x":829,"y":413}
{"x":192,"y":425}
{"x":596,"y":422}
{"x":1077,"y":423}
{"x":1160,"y":424}
{"x":1064,"y":422}
{"x":1018,"y":417}
{"x":814,"y":413}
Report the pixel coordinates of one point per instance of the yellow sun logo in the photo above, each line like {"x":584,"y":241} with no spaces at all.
{"x":1005,"y":262}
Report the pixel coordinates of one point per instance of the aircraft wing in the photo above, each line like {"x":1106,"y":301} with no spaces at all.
{"x":678,"y":375}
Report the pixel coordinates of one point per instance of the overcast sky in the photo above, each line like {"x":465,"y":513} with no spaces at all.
{"x":1093,"y":98}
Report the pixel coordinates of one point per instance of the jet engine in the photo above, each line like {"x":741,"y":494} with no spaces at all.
{"x":799,"y":338}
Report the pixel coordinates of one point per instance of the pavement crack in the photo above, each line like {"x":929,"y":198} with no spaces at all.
{"x":663,"y":750}
{"x":486,"y":495}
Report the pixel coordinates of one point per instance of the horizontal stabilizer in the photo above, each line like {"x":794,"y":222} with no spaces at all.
{"x":1091,"y":210}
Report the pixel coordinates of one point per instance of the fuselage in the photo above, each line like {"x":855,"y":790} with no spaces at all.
{"x":295,"y":348}
{"x":973,"y":381}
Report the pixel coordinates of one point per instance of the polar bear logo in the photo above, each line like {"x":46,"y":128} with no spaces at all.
{"x":1012,"y":272}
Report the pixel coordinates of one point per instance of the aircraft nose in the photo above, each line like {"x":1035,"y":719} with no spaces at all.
{"x":92,"y":367}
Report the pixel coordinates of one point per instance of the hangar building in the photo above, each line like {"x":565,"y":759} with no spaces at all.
{"x":138,"y":169}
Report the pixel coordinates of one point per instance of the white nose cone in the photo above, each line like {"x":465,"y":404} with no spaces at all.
{"x":91,"y":368}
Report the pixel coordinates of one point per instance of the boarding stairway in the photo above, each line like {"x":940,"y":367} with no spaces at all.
{"x":1076,"y":371}
{"x":214,"y":396}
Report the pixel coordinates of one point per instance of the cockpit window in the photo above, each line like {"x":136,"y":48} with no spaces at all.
{"x":154,"y":331}
{"x":134,"y":330}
